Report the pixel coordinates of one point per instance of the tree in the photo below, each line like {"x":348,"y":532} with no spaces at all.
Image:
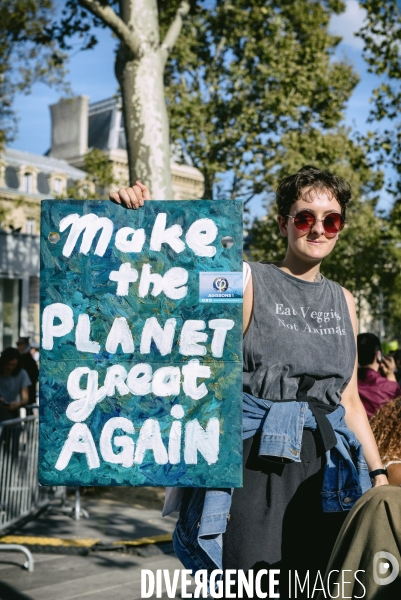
{"x":393,"y":291}
{"x":381,"y":34}
{"x":245,"y":74}
{"x":28,"y":54}
{"x":242,"y":74}
{"x":99,"y":171}
{"x":140,"y":63}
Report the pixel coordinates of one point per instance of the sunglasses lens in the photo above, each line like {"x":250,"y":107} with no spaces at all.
{"x":304,"y":220}
{"x":333,"y":223}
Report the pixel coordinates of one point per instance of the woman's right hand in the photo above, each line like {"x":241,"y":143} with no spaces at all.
{"x":131,"y":197}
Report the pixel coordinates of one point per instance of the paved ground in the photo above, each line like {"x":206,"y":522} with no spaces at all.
{"x":108,"y":569}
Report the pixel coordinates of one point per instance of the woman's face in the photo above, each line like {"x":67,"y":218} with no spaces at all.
{"x":9,"y":366}
{"x":313,"y":245}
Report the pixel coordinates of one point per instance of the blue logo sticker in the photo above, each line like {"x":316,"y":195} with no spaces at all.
{"x":220,"y":286}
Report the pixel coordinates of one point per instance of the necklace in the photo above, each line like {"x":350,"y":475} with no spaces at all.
{"x":318,"y":277}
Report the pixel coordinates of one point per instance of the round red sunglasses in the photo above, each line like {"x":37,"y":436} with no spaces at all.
{"x":304,"y":220}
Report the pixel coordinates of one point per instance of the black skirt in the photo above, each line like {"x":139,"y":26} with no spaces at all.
{"x":276,"y":519}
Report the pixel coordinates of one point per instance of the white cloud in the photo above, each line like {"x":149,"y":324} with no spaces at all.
{"x":348,"y":23}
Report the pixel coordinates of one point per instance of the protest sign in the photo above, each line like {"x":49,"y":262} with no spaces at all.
{"x":141,"y":347}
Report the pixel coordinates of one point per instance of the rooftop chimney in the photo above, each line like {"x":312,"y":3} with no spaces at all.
{"x":69,"y":127}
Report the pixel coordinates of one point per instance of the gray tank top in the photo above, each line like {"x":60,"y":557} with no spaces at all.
{"x":297,"y":328}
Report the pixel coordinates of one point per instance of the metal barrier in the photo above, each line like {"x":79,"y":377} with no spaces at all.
{"x":20,"y":494}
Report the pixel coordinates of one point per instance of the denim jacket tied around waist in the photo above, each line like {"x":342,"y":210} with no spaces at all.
{"x":198,"y":537}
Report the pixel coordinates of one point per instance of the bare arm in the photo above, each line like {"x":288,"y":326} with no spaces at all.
{"x":247,"y":306}
{"x":355,"y":415}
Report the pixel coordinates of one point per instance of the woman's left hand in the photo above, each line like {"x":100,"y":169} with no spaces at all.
{"x":380,"y":480}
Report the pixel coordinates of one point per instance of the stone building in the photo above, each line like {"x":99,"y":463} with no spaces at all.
{"x":78,"y":126}
{"x":26,"y":179}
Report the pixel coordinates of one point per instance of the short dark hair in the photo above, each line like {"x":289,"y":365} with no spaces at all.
{"x":368,"y":344}
{"x":289,"y":188}
{"x":10,"y":354}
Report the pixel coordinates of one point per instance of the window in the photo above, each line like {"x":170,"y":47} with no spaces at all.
{"x":31,"y":226}
{"x":43,"y":183}
{"x":12,"y":178}
{"x":9,"y":311}
{"x":28,"y":181}
{"x":58,"y":186}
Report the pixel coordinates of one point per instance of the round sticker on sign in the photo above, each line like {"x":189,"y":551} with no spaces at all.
{"x":220,"y":284}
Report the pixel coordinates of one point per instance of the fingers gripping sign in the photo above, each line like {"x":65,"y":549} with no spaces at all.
{"x":131,"y":197}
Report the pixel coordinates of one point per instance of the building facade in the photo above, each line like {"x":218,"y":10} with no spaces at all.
{"x":100,"y":125}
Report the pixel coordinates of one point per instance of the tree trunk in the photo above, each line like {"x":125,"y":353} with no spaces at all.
{"x":144,"y":108}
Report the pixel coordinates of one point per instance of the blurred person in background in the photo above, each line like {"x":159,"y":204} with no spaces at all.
{"x":35,"y":353}
{"x":397,"y":358}
{"x":377,"y":383}
{"x":14,"y":384}
{"x":28,"y":363}
{"x":386,"y":427}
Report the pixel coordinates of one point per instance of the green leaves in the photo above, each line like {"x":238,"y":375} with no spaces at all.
{"x":244,"y":75}
{"x":100,"y":177}
{"x":382,"y":42}
{"x":99,"y":169}
{"x":28,"y":54}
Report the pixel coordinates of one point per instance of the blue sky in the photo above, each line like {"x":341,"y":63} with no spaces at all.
{"x":92,"y":73}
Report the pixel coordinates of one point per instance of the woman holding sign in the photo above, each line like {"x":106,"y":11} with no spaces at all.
{"x":306,"y":434}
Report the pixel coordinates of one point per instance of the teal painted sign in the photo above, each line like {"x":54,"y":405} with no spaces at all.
{"x":141,"y":345}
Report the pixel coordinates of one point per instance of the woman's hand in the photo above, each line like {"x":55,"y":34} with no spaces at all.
{"x":131,"y":197}
{"x":380,"y":480}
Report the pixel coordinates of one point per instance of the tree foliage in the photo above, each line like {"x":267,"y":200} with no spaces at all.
{"x":393,"y":295}
{"x":381,"y":35}
{"x":240,"y":76}
{"x":243,"y":76}
{"x":100,"y":177}
{"x":28,"y":53}
{"x":99,"y":169}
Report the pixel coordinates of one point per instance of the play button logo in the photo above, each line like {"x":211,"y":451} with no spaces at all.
{"x":382,"y":561}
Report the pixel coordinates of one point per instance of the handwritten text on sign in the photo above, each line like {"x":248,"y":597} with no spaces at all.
{"x":141,"y":344}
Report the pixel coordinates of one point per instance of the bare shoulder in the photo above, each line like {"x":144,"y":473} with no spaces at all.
{"x":349,"y":298}
{"x":248,"y":304}
{"x":351,"y":306}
